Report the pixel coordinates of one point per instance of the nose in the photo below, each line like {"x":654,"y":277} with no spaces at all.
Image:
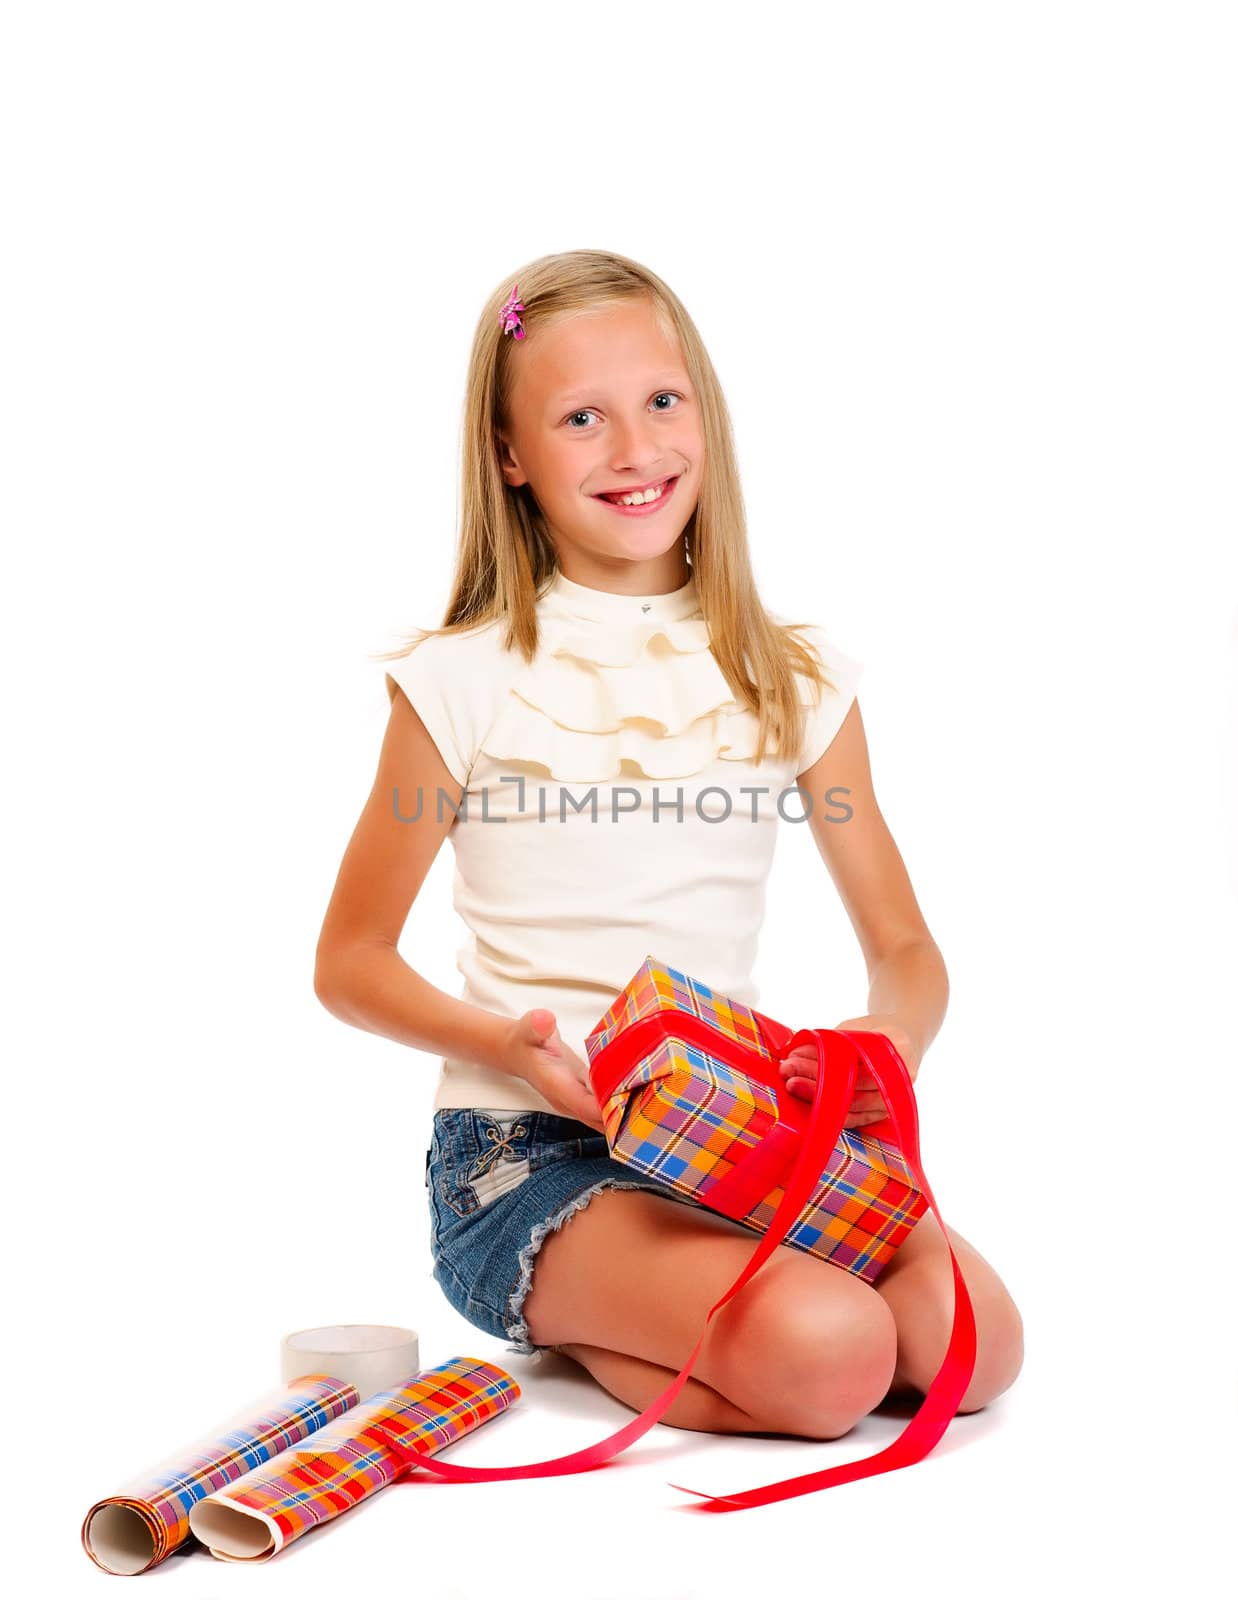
{"x":634,"y":445}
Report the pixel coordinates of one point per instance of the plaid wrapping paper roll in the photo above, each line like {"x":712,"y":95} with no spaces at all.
{"x":351,"y":1459}
{"x":714,"y":1120}
{"x":148,"y":1517}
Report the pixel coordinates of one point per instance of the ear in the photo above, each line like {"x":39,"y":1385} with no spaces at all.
{"x":513,"y":473}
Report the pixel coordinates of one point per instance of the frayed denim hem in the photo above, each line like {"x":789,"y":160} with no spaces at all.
{"x":517,"y":1328}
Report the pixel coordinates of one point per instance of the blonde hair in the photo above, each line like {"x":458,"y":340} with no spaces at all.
{"x":505,"y":557}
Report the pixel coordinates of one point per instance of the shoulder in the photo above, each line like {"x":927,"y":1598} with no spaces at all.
{"x":461,"y":647}
{"x":455,"y":682}
{"x":823,"y":642}
{"x":825,"y":707}
{"x":462,"y":668}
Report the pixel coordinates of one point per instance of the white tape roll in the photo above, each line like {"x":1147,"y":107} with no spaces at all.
{"x":369,"y":1357}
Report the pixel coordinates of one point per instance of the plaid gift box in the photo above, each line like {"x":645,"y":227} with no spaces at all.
{"x":691,"y":1091}
{"x":693,"y":1097}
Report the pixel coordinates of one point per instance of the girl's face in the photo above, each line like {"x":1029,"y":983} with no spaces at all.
{"x":601,"y":403}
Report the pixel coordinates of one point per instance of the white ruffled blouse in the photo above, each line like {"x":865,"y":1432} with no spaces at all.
{"x":612,"y":808}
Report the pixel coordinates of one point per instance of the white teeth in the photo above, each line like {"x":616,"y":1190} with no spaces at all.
{"x":642,"y":498}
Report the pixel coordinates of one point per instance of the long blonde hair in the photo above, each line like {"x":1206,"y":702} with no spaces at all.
{"x":505,"y":557}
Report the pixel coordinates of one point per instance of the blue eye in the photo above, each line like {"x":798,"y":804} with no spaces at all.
{"x":665,"y":394}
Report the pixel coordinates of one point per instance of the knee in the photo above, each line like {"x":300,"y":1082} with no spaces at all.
{"x":999,"y":1351}
{"x":844,"y":1366}
{"x":817,"y":1355}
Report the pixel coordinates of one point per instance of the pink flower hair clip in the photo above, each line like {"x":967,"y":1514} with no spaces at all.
{"x":509,"y":317}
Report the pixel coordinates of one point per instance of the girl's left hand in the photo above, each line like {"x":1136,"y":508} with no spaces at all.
{"x":800,"y":1069}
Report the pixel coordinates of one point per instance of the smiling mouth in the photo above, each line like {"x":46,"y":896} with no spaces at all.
{"x":615,"y":497}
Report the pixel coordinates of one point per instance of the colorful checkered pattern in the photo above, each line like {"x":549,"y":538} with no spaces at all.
{"x":162,"y":1497}
{"x":656,"y":989}
{"x":350,"y":1460}
{"x":687,"y":1119}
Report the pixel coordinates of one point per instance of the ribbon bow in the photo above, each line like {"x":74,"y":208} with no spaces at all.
{"x":500,"y":1147}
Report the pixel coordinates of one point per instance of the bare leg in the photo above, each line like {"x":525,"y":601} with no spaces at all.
{"x":636,"y":1383}
{"x":918,"y":1287}
{"x":804,"y":1349}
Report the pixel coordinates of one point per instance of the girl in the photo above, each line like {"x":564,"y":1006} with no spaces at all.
{"x":605,"y":633}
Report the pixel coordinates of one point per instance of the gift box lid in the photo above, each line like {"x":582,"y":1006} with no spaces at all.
{"x":657,"y":989}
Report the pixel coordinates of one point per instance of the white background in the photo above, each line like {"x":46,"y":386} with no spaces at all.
{"x":967,"y":273}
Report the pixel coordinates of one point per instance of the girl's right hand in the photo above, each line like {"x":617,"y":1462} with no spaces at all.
{"x":535,"y":1052}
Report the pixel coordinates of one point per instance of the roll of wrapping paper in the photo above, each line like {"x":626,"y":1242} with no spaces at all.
{"x":148,"y":1517}
{"x":349,"y":1460}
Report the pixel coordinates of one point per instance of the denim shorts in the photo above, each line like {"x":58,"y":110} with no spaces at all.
{"x":499,"y":1182}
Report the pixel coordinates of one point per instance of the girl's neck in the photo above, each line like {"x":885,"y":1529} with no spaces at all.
{"x":604,"y":605}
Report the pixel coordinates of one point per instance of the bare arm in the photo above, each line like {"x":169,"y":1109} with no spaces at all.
{"x":906,"y":973}
{"x":359,"y":974}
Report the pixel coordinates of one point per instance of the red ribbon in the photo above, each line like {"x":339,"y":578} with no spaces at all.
{"x":832,"y":1097}
{"x":760,"y":1168}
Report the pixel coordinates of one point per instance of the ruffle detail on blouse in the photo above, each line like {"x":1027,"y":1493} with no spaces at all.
{"x":619,"y":645}
{"x":601,"y":694}
{"x":664,"y":674}
{"x":573,"y":756}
